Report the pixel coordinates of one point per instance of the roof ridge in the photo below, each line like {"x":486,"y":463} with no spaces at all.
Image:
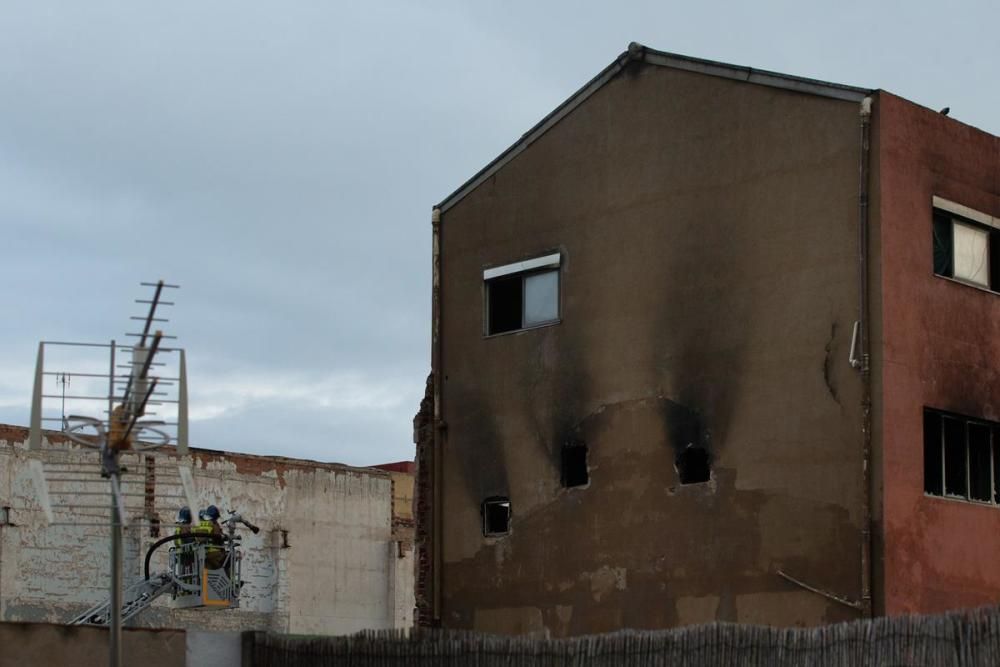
{"x":637,"y":52}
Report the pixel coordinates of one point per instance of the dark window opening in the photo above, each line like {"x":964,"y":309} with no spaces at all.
{"x":574,"y":465}
{"x":944,"y":253}
{"x":504,"y":299}
{"x":933,"y":465}
{"x":996,"y":465}
{"x":496,"y":516}
{"x":961,"y":457}
{"x":955,"y":472}
{"x":980,"y":466}
{"x":694,"y":465}
{"x":526,"y":298}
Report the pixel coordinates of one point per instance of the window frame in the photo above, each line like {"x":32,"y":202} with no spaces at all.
{"x":547,"y":263}
{"x":994,"y":454}
{"x":496,"y":500}
{"x":956,"y":213}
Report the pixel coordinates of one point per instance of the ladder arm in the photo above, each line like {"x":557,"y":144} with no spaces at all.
{"x":135,"y":599}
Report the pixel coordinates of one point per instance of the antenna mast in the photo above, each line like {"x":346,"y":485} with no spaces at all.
{"x":122,"y":429}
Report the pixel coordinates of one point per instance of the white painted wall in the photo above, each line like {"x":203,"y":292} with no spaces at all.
{"x":341,"y":573}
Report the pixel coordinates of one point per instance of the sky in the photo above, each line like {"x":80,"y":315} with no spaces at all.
{"x":279,"y":161}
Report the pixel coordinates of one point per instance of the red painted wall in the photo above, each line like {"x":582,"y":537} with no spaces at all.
{"x":941,"y":348}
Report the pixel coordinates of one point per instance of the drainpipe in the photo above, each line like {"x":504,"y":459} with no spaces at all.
{"x":436,"y":349}
{"x":861,"y":361}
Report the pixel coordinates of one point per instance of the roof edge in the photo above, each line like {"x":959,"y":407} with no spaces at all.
{"x":526,"y":139}
{"x":638,"y":52}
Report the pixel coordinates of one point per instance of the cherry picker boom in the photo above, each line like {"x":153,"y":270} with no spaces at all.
{"x":188,"y":580}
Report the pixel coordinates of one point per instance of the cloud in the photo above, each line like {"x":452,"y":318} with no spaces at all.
{"x":343,"y":391}
{"x":280,"y":163}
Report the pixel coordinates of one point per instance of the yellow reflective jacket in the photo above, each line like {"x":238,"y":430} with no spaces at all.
{"x":208,"y":527}
{"x":180,"y":532}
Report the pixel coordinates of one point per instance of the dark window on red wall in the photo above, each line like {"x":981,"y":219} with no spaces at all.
{"x":933,"y":462}
{"x":944,"y":251}
{"x":961,"y":457}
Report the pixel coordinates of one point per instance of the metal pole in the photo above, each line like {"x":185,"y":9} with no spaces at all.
{"x":115,"y":648}
{"x":115,"y":636}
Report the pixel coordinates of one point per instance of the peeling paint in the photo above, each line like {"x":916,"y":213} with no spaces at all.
{"x":343,"y":572}
{"x":606,"y":580}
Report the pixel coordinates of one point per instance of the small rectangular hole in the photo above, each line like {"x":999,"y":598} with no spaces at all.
{"x":496,"y":516}
{"x":574,"y":465}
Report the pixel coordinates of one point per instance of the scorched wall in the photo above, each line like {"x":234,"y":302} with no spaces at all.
{"x":707,"y":235}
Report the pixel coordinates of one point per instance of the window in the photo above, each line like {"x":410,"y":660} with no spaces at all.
{"x":961,"y":457}
{"x":522,"y":295}
{"x":966,"y":244}
{"x":574,"y":465}
{"x":496,"y":516}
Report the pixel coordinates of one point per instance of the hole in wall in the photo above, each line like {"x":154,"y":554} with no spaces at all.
{"x":694,"y":465}
{"x":496,"y":516}
{"x":574,"y":465}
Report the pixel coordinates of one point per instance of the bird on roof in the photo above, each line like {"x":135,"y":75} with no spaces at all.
{"x":944,"y":112}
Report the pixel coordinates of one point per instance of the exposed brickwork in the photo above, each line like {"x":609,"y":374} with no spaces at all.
{"x":330,"y":556}
{"x":423,"y":437}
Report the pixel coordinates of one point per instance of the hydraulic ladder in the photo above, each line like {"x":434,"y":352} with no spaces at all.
{"x":135,"y":598}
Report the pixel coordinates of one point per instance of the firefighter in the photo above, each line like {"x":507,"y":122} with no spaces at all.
{"x":182,"y":532}
{"x":215,"y":553}
{"x":183,"y":525}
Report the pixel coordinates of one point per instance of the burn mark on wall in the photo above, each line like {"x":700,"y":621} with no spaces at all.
{"x":481,"y":459}
{"x":683,"y":426}
{"x":831,"y":386}
{"x":559,"y":386}
{"x":685,"y":435}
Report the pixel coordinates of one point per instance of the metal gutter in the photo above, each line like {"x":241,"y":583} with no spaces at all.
{"x":864,"y":367}
{"x":758,"y":76}
{"x":437,"y":498}
{"x":638,"y":52}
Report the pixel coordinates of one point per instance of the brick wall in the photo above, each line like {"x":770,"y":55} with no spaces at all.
{"x":326,"y":559}
{"x":423,"y":437}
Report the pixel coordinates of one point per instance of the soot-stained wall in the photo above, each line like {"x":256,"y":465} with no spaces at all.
{"x":939,"y":347}
{"x":708,"y":285}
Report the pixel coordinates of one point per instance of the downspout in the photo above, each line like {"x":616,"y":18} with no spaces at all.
{"x":861,"y":358}
{"x":436,"y":348}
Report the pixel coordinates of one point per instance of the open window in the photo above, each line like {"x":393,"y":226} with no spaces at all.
{"x":522,"y":295}
{"x":966,"y":245}
{"x":496,"y":516}
{"x":961,"y":457}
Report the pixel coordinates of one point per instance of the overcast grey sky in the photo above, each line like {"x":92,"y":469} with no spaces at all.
{"x":279,"y":160}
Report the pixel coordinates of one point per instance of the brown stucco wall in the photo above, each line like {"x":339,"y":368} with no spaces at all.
{"x":941,"y":345}
{"x":707,"y":230}
{"x":24,"y":644}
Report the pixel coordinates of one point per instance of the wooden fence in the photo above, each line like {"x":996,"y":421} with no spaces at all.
{"x":963,"y":639}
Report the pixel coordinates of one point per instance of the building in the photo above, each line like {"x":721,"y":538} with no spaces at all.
{"x":331,"y":556}
{"x":713,"y":343}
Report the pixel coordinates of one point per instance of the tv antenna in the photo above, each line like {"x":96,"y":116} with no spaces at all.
{"x":132,"y":393}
